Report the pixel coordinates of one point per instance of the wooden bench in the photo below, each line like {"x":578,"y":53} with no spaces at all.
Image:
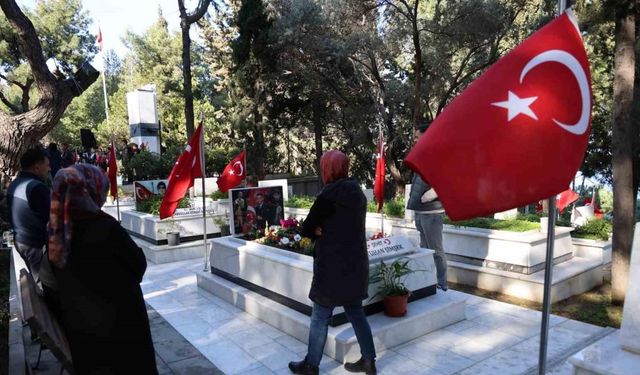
{"x":43,"y":323}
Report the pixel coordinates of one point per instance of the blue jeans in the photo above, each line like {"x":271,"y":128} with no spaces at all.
{"x":320,"y":317}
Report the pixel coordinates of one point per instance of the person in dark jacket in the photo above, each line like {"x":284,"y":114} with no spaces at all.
{"x":55,"y":158}
{"x":28,"y":199}
{"x":99,"y":270}
{"x":429,"y":218}
{"x":340,"y":263}
{"x":68,"y":158}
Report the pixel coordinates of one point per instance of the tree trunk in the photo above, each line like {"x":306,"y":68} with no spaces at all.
{"x":22,"y":131}
{"x":317,"y":131}
{"x":186,"y":20}
{"x":417,"y":108}
{"x":623,"y":148}
{"x":186,"y":74}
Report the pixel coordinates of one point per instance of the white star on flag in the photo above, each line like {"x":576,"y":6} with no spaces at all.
{"x":516,"y":105}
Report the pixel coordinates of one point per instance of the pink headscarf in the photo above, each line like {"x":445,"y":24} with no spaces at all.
{"x":78,"y":193}
{"x":334,"y":165}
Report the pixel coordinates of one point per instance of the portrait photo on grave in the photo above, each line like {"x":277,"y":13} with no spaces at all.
{"x":256,"y":208}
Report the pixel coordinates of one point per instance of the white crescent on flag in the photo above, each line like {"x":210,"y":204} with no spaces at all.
{"x":578,"y":72}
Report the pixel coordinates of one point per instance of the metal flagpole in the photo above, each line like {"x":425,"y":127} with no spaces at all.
{"x":106,"y":112}
{"x":548,"y":268}
{"x":380,"y":151}
{"x":113,"y":149}
{"x":246,"y":174}
{"x":204,"y":201}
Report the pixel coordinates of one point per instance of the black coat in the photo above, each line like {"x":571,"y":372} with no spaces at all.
{"x":103,"y":310}
{"x":341,"y":263}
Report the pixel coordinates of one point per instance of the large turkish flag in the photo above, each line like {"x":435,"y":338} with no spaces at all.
{"x":187,"y":168}
{"x":518,"y":133}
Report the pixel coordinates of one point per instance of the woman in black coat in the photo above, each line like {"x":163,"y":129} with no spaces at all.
{"x":99,"y":269}
{"x":340,"y":263}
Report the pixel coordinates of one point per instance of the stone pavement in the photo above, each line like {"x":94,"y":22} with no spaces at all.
{"x":174,"y":354}
{"x":496,"y":338}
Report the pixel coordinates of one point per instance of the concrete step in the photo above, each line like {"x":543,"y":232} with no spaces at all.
{"x":570,"y":278}
{"x":424,"y":316}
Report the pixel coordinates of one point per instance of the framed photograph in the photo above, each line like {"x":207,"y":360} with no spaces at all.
{"x":256,"y":208}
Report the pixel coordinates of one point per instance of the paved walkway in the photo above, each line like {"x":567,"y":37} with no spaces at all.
{"x":496,"y":338}
{"x":174,"y":354}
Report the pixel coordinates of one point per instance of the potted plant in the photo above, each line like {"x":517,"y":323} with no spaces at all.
{"x":223,"y":224}
{"x":172,"y":232}
{"x":391,"y":277}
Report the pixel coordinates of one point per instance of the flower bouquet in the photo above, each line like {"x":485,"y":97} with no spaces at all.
{"x":287,"y":236}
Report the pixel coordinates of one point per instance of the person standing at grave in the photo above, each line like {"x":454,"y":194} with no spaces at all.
{"x":340,"y":263}
{"x":68,"y":158}
{"x":29,"y":199}
{"x":429,"y":217}
{"x":99,"y":269}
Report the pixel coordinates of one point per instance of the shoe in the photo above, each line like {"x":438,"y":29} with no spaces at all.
{"x":443,"y":288}
{"x":303,"y":368}
{"x":368,"y":366}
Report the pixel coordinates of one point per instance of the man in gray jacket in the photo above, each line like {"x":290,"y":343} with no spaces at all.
{"x":429,"y":217}
{"x":29,"y":200}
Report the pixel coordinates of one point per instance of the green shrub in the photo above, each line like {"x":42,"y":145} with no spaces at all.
{"x":145,"y":166}
{"x":152,"y":205}
{"x":514,"y":225}
{"x":392,"y":208}
{"x":595,"y":229}
{"x":300,"y":201}
{"x":534,"y":218}
{"x":219,"y":195}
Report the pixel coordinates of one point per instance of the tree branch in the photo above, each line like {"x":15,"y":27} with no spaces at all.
{"x":2,"y":76}
{"x":29,"y":43}
{"x":10,"y":105}
{"x":25,"y":94}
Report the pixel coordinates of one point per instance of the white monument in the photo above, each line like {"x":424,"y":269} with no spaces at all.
{"x":618,"y":353}
{"x":143,"y":118}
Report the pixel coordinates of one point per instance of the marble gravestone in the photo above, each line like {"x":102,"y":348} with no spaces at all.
{"x":630,"y":330}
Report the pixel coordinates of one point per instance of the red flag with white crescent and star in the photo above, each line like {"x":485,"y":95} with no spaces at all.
{"x":187,"y":168}
{"x":518,"y":133}
{"x":566,"y":198}
{"x":233,"y":174}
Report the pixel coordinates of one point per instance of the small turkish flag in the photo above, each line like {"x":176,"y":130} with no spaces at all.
{"x":187,"y":168}
{"x":566,"y":198}
{"x":233,"y":174}
{"x":142,"y":193}
{"x":378,"y":184}
{"x":113,"y":171}
{"x":100,"y":39}
{"x":518,"y":133}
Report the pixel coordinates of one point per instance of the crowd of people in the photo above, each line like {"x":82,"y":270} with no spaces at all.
{"x":88,"y":266}
{"x":90,"y":269}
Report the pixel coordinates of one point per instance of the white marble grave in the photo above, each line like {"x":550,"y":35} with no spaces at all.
{"x":522,"y":252}
{"x":273,"y":285}
{"x":289,"y":274}
{"x":210,"y":186}
{"x":630,"y":330}
{"x":153,"y":230}
{"x":619,"y":352}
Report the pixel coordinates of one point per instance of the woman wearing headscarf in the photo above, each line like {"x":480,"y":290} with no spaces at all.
{"x":99,"y":269}
{"x":340,"y":263}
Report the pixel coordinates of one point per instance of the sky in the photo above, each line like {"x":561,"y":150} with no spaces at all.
{"x":115,"y":17}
